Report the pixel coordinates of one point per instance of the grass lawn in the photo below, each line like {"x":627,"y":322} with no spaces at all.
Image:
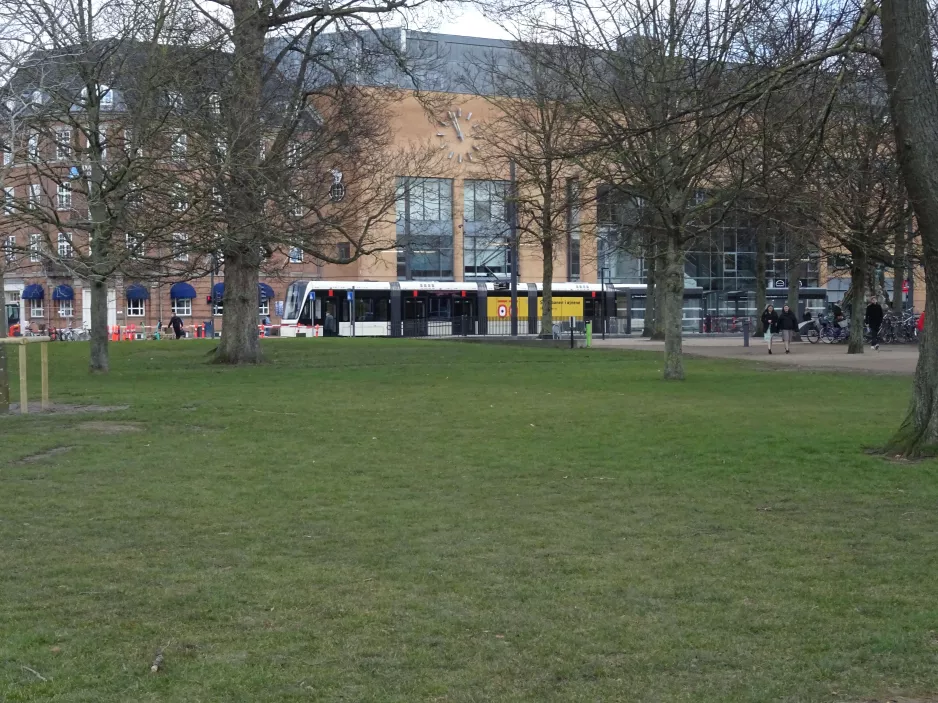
{"x":431,"y":521}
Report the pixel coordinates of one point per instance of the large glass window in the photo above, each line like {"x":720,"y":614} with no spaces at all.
{"x":425,"y":228}
{"x":621,"y":236}
{"x":182,"y":307}
{"x":485,"y":230}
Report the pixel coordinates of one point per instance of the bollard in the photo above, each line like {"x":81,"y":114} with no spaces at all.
{"x":571,"y":331}
{"x":746,"y":332}
{"x":589,"y":334}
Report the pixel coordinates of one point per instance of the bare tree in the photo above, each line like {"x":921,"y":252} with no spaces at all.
{"x":96,"y":184}
{"x":861,"y":202}
{"x":908,"y":59}
{"x":536,"y":127}
{"x":291,"y":109}
{"x":659,"y":96}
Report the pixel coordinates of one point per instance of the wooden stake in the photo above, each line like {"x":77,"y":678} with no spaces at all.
{"x":44,"y":353}
{"x":24,"y":395}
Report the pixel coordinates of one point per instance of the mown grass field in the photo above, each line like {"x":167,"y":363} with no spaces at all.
{"x":431,"y":521}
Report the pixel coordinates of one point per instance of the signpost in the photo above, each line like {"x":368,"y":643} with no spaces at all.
{"x":44,"y":355}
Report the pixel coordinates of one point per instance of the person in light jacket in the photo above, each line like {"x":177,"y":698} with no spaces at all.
{"x":769,"y":324}
{"x":788,"y":326}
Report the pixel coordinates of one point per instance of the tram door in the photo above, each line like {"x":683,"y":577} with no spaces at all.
{"x":415,"y":317}
{"x":463,"y":316}
{"x":327,"y":314}
{"x":593,"y":312}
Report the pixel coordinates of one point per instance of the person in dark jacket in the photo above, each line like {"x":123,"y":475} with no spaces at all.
{"x":787,"y":325}
{"x":874,"y":318}
{"x":769,"y":325}
{"x":176,"y":323}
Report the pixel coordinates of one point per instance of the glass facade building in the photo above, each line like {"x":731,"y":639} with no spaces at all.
{"x":424,"y":211}
{"x":721,"y":261}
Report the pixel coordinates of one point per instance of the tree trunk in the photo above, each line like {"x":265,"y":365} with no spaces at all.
{"x":913,"y":98}
{"x":547,"y":300}
{"x":898,"y":279}
{"x":239,"y":339}
{"x":651,"y":293}
{"x":100,"y":358}
{"x":858,"y":272}
{"x":673,"y":310}
{"x":4,"y":376}
{"x":244,"y":208}
{"x":761,"y":300}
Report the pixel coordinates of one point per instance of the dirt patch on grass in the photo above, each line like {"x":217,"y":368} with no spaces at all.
{"x":66,"y":409}
{"x":105,"y":427}
{"x":930,"y":699}
{"x":42,"y":456}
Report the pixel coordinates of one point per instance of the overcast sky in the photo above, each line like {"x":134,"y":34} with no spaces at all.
{"x":471,"y":23}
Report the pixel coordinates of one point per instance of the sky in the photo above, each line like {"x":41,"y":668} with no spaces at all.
{"x":470,"y":22}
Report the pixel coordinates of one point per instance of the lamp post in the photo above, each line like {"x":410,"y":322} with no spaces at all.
{"x":513,"y":230}
{"x":602,"y":305}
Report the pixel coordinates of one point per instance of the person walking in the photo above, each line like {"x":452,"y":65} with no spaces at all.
{"x":787,"y":325}
{"x":176,"y":323}
{"x":874,"y":318}
{"x":769,"y":325}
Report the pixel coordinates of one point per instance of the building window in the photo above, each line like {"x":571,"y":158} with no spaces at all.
{"x":179,"y":145}
{"x":485,"y":231}
{"x":182,"y":307}
{"x":296,"y":209}
{"x":424,"y":211}
{"x":264,"y":308}
{"x":7,"y":156}
{"x":35,"y":248}
{"x":66,"y":308}
{"x":573,"y":229}
{"x":293,"y":154}
{"x":63,"y":144}
{"x":180,"y":246}
{"x":8,"y":196}
{"x":9,"y":248}
{"x":174,"y":100}
{"x":344,"y":250}
{"x":218,"y":307}
{"x":136,"y":308}
{"x":32,"y":147}
{"x":214,"y":104}
{"x":35,"y":193}
{"x":128,"y":145}
{"x":65,"y":246}
{"x":102,"y":143}
{"x":64,"y":196}
{"x":180,"y":199}
{"x":107,"y":97}
{"x":134,"y":244}
{"x":36,"y":309}
{"x":296,"y":255}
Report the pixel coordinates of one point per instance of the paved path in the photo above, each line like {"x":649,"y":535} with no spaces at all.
{"x":899,"y":359}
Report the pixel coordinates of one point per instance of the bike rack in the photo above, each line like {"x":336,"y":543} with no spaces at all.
{"x":44,"y":355}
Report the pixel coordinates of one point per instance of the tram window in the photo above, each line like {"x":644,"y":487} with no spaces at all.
{"x":294,"y":300}
{"x":372,"y":309}
{"x":441,"y":308}
{"x":306,"y":317}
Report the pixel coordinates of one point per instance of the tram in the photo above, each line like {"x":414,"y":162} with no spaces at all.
{"x":441,"y":308}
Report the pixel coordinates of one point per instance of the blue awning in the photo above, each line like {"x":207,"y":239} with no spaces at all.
{"x":265,"y":291}
{"x":218,"y":291}
{"x":33,"y":292}
{"x":137,"y":292}
{"x":181,"y":291}
{"x":63,"y":292}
